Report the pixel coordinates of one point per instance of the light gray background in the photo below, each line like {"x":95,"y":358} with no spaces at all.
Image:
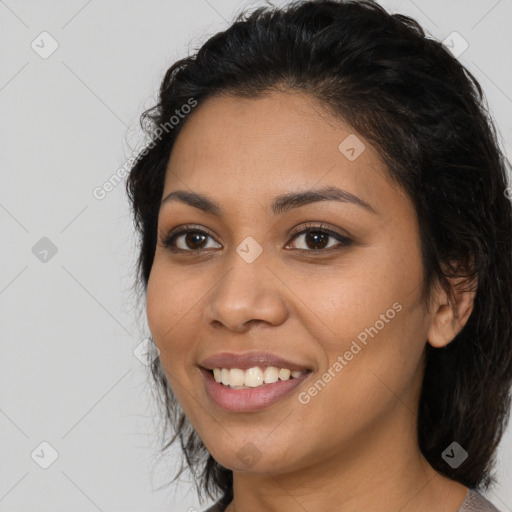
{"x":68,"y":375}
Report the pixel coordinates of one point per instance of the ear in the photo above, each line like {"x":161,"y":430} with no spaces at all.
{"x":449,"y":318}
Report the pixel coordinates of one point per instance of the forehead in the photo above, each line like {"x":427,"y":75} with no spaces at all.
{"x":240,"y":149}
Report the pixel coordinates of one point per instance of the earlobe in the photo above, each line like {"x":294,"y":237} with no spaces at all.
{"x":450,"y":318}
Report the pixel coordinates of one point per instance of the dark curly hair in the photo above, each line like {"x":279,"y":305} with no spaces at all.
{"x":427,"y":116}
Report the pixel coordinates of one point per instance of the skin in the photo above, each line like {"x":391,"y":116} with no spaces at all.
{"x":353,"y":447}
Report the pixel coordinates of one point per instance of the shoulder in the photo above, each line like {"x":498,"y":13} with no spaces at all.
{"x":475,"y":502}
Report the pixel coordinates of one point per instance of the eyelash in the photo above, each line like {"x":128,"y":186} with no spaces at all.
{"x":306,"y":228}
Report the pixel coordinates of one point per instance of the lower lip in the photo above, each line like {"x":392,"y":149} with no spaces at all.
{"x":249,"y":400}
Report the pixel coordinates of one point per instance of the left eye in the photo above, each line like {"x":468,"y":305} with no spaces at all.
{"x":318,"y":238}
{"x":314,"y":236}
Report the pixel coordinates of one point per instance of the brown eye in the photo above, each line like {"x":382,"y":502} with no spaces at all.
{"x":316,"y":239}
{"x":193,"y":240}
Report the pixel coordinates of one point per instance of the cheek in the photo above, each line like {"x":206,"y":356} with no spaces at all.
{"x":370,"y":364}
{"x":374,"y":321}
{"x":168,"y":302}
{"x":158,"y":307}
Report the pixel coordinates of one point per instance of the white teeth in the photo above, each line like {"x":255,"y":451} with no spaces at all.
{"x":271,"y":375}
{"x":236,"y":377}
{"x":224,"y":376}
{"x":284,"y":374}
{"x":253,"y":377}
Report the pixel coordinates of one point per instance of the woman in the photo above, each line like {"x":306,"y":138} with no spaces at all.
{"x":326,"y":262}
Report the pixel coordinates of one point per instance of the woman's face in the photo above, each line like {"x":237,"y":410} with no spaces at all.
{"x":349,"y":311}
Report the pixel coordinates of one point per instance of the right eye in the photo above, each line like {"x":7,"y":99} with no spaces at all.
{"x":193,"y":240}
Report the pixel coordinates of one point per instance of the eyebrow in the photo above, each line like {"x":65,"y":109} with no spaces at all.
{"x":282,"y":203}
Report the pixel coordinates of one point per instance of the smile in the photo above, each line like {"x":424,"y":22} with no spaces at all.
{"x":237,"y":378}
{"x":261,"y":387}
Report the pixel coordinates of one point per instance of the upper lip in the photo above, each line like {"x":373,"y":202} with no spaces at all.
{"x":249,"y":360}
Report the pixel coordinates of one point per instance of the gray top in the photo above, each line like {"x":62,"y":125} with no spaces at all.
{"x":474,"y":502}
{"x":214,"y":508}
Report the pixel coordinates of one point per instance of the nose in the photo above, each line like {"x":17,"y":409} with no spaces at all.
{"x":247,"y":293}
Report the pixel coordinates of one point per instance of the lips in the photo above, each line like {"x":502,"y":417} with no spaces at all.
{"x":252,"y":399}
{"x":248,"y":360}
